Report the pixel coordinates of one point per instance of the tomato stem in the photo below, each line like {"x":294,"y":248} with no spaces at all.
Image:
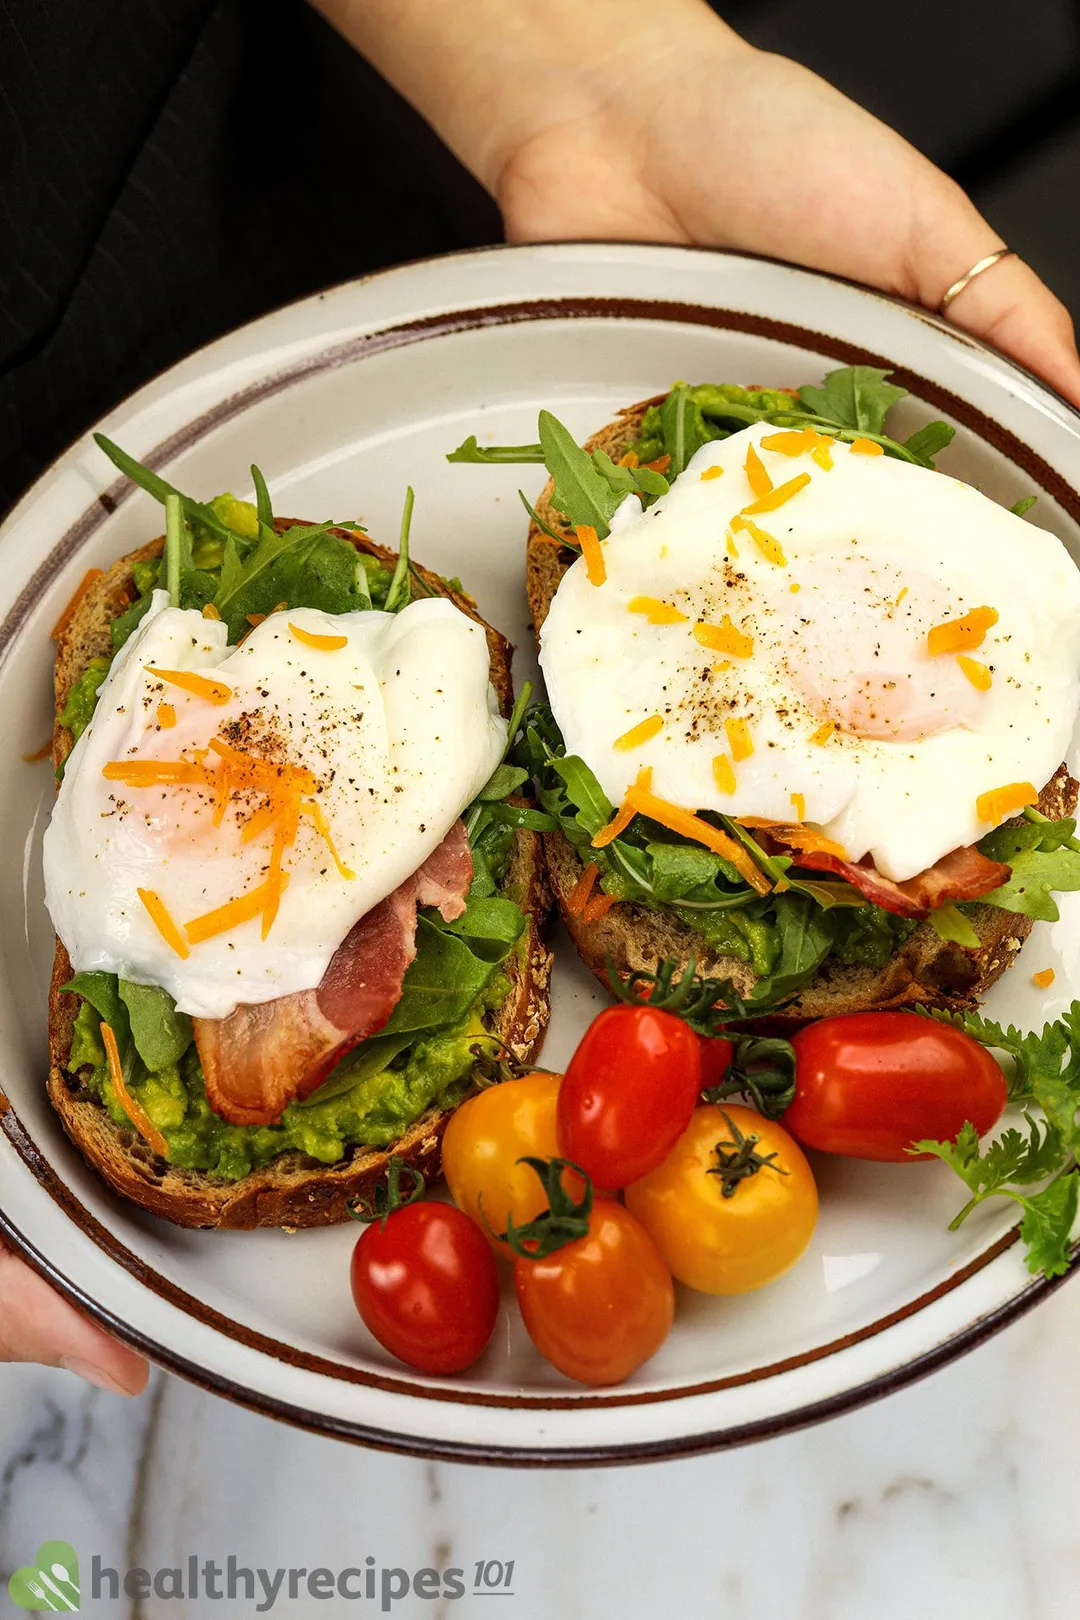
{"x":388,"y":1197}
{"x":739,"y":1159}
{"x":564,"y":1221}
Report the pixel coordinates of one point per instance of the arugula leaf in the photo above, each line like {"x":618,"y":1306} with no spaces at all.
{"x":399,"y":594}
{"x":263,"y":507}
{"x":853,"y":397}
{"x":493,"y":455}
{"x":929,"y":441}
{"x":582,"y":493}
{"x":682,"y":427}
{"x":949,"y":922}
{"x":195,"y":512}
{"x":371,"y":1057}
{"x":630,"y":480}
{"x":161,"y":1034}
{"x":491,"y":924}
{"x":1019,"y":508}
{"x":1044,"y":856}
{"x":441,"y":983}
{"x":805,"y":942}
{"x":102,"y":991}
{"x":566,"y":540}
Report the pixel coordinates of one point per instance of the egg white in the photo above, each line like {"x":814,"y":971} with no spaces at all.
{"x":400,"y":728}
{"x":877,"y":551}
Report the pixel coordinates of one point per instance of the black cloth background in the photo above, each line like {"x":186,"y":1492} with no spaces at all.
{"x":172,"y":168}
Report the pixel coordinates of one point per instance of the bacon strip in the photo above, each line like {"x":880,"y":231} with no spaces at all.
{"x":963,"y":874}
{"x":266,"y":1055}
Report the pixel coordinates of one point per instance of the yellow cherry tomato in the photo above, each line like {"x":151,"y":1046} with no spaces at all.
{"x":483,"y":1142}
{"x":734,"y":1204}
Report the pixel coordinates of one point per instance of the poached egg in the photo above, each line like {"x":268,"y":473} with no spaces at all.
{"x":806,"y":630}
{"x":230,"y":812}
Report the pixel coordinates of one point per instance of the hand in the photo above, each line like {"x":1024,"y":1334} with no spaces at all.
{"x":36,"y":1324}
{"x":628,"y":120}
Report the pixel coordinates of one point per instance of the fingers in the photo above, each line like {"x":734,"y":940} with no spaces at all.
{"x":36,"y":1324}
{"x":1012,"y":309}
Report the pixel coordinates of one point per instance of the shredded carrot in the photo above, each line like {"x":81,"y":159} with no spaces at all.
{"x":866,"y":447}
{"x":791,"y":441}
{"x":629,"y":458}
{"x":592,"y":551}
{"x":655,"y":611}
{"x":134,"y":1110}
{"x":732,"y":548}
{"x":794,"y":588}
{"x":1005,"y":801}
{"x":255,"y":619}
{"x":623,"y":816}
{"x":725,"y":638}
{"x":978,"y":674}
{"x":578,"y":897}
{"x":798,"y":804}
{"x":822,"y":454}
{"x":961,"y":635}
{"x":598,"y":907}
{"x":313,"y":810}
{"x":723,"y":773}
{"x":1044,"y":979}
{"x":639,"y":734}
{"x":760,"y":482}
{"x":660,"y":465}
{"x":39,"y":753}
{"x":162,"y":921}
{"x":770,"y":548}
{"x":823,"y":733}
{"x":691,"y":826}
{"x":311,"y":638}
{"x":711,"y":472}
{"x":777,"y":497}
{"x":809,"y":838}
{"x":245,"y":908}
{"x":69,"y":612}
{"x":210,"y":612}
{"x":200,"y":686}
{"x":166,"y":716}
{"x":739,"y":739}
{"x":900,"y":597}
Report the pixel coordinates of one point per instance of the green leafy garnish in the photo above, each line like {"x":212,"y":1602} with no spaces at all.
{"x":1046,"y":1075}
{"x":855,"y":397}
{"x":582,"y":492}
{"x":400,"y":592}
{"x":495,"y":455}
{"x":949,"y":922}
{"x":1019,"y":508}
{"x":1043,"y":855}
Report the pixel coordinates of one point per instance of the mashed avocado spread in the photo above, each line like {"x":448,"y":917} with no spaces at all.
{"x":425,"y":1054}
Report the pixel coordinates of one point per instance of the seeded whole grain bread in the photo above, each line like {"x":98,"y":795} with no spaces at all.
{"x":926,"y":970}
{"x":293,"y":1190}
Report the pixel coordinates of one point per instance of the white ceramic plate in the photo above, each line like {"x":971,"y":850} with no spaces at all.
{"x":343,"y":400}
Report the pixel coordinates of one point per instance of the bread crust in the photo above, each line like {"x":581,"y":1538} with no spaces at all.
{"x":293,"y":1190}
{"x":925,"y":971}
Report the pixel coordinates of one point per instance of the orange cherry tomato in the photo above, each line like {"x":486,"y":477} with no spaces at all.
{"x":483,"y":1142}
{"x":728,"y":1244}
{"x":602,"y":1305}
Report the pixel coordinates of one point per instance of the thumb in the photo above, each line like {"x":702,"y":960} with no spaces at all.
{"x":1011,"y":308}
{"x":36,"y":1324}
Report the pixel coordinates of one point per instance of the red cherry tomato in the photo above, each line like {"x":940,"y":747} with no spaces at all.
{"x":427,"y":1286}
{"x":600,"y":1306}
{"x":867,"y":1085}
{"x":631,"y":1086}
{"x":716,"y":1056}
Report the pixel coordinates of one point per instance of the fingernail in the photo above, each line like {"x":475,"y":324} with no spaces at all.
{"x":92,"y":1374}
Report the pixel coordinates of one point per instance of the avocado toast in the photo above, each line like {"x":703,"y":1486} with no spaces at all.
{"x":389,"y":1093}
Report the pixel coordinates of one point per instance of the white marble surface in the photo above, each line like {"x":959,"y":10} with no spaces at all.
{"x":959,"y":1497}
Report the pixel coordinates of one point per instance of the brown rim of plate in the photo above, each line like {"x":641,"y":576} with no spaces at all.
{"x":398,"y":336}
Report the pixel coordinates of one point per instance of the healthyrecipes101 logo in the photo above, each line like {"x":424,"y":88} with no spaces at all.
{"x":50,"y":1582}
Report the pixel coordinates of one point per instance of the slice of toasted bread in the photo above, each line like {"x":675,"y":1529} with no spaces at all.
{"x":926,"y":970}
{"x":293,"y":1190}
